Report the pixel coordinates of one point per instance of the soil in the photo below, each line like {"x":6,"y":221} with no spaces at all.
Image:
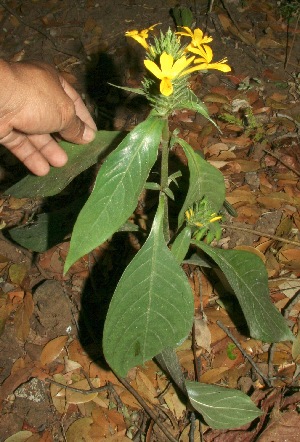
{"x":85,"y":41}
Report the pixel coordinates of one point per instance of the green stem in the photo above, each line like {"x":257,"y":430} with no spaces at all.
{"x":165,"y":175}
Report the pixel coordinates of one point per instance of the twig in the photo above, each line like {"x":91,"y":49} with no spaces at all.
{"x":147,"y":409}
{"x":282,"y":162}
{"x":79,"y":390}
{"x":288,"y":117}
{"x":197,"y":363}
{"x":259,"y":233}
{"x":270,"y":361}
{"x":236,"y":342}
{"x":283,"y":278}
{"x":92,"y":389}
{"x":192,"y":428}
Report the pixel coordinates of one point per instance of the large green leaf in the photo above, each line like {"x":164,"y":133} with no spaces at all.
{"x":222,"y":407}
{"x":48,"y":229}
{"x":152,"y":307}
{"x":248,"y":277}
{"x":80,"y":157}
{"x":118,"y":185}
{"x":205,"y":181}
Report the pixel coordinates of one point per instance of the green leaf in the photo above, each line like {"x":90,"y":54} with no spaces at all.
{"x":193,"y":103}
{"x":133,"y":90}
{"x":205,"y":181}
{"x":182,"y":16}
{"x":169,"y":193}
{"x":80,"y":158}
{"x":152,"y":186}
{"x":152,"y":307}
{"x":173,"y":177}
{"x":248,"y":278}
{"x":222,"y":407}
{"x":199,"y":261}
{"x":118,"y":185}
{"x":181,"y":244}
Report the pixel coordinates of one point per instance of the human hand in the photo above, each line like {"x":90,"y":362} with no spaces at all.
{"x":35,"y":102}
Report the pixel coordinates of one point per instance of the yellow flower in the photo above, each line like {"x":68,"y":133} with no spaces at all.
{"x":204,"y":62}
{"x":168,"y":70}
{"x":197,"y":37}
{"x":141,"y":36}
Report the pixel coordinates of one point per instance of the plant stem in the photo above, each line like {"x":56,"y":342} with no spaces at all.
{"x":164,"y":175}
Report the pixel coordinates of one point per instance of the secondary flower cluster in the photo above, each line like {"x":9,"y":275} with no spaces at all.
{"x":168,"y":64}
{"x":204,"y":222}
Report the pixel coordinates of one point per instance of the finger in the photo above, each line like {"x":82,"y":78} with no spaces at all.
{"x":20,"y":146}
{"x":49,"y":149}
{"x":80,"y":108}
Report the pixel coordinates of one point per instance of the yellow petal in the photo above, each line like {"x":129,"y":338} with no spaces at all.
{"x":141,"y":41}
{"x":181,"y":64}
{"x":153,"y":26}
{"x":204,"y":66}
{"x":166,"y":63}
{"x":200,"y":39}
{"x":187,"y":33}
{"x":207,"y":53}
{"x":153,"y":68}
{"x":198,"y":51}
{"x":131,"y":33}
{"x":220,"y":67}
{"x":166,"y":87}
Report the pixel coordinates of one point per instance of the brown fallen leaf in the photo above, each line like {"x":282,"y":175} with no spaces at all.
{"x":53,"y":349}
{"x":175,"y":405}
{"x":22,"y":317}
{"x":146,"y":388}
{"x":17,"y":273}
{"x":289,"y":257}
{"x":202,"y":334}
{"x":79,"y":430}
{"x":106,"y":423}
{"x":276,"y":199}
{"x":238,"y":195}
{"x":14,"y":381}
{"x":21,"y":436}
{"x":215,"y":98}
{"x":296,"y":347}
{"x":285,"y":428}
{"x":77,"y":354}
{"x":268,"y":43}
{"x":58,"y":394}
{"x":213,"y":375}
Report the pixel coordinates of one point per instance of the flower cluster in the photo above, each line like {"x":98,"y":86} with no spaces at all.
{"x":203,"y":221}
{"x":169,"y":62}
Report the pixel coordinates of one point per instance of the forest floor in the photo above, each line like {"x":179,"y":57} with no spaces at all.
{"x":43,"y":343}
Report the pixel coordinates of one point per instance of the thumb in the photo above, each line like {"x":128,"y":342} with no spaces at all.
{"x":78,"y":132}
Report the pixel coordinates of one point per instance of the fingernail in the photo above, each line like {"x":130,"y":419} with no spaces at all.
{"x":88,"y":134}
